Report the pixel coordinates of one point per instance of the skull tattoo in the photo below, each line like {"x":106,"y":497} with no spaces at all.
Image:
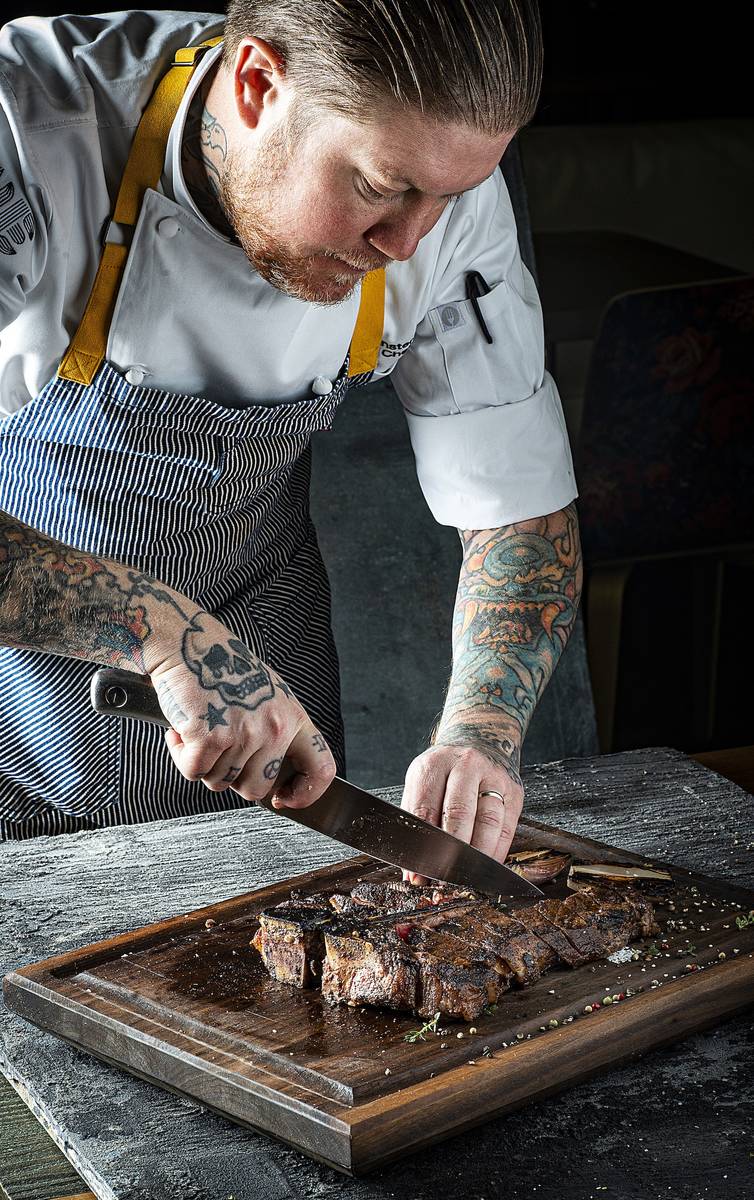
{"x":228,"y":668}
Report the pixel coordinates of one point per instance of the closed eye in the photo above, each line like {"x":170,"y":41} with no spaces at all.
{"x":371,"y":193}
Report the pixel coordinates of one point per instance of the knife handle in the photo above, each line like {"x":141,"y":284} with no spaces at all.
{"x":117,"y":693}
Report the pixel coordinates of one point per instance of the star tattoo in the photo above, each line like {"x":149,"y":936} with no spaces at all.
{"x":215,"y":716}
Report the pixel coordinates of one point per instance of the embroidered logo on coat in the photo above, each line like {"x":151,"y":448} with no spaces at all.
{"x":451,"y":316}
{"x":16,"y":220}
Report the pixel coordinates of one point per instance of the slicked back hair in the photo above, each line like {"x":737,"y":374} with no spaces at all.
{"x":467,"y":62}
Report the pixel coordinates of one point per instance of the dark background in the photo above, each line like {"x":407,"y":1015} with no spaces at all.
{"x":614,"y":60}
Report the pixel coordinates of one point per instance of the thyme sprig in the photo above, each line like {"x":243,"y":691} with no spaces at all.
{"x":420,"y":1035}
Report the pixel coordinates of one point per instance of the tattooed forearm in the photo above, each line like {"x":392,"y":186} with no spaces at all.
{"x":517,"y":598}
{"x":65,"y":601}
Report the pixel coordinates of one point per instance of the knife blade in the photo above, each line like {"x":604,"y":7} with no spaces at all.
{"x":345,"y":812}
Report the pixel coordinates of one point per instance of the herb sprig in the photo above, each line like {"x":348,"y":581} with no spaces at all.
{"x":420,"y":1035}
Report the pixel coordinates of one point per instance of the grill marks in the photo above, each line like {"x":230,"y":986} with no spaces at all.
{"x":440,"y":949}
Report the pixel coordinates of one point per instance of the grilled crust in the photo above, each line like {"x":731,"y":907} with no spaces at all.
{"x":440,"y":949}
{"x":425,"y":971}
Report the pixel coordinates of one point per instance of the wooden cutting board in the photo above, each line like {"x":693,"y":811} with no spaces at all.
{"x":187,"y":1004}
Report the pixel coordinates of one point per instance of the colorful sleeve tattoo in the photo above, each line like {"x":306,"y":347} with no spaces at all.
{"x":518,"y":593}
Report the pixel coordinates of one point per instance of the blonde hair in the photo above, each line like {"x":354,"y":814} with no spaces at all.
{"x":471,"y":62}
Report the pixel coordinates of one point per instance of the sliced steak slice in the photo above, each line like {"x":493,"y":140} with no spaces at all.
{"x":364,"y":965}
{"x":595,"y":927}
{"x":536,"y":921}
{"x":527,"y":954}
{"x":629,"y":896}
{"x":458,"y":979}
{"x":406,"y":966}
{"x":290,"y":941}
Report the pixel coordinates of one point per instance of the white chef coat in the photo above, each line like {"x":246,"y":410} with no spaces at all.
{"x":485,"y":421}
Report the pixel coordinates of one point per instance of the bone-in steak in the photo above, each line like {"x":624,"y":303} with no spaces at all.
{"x":440,"y":949}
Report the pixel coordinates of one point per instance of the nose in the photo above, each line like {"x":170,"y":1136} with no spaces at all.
{"x":398,"y":234}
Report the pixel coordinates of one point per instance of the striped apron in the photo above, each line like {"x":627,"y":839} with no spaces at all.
{"x":212,"y":500}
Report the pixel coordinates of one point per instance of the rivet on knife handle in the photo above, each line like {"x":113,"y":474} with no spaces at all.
{"x":126,"y":694}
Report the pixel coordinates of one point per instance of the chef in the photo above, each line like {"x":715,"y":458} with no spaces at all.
{"x":209,"y":232}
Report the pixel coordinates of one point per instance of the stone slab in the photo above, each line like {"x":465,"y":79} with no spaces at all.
{"x":676,"y":1125}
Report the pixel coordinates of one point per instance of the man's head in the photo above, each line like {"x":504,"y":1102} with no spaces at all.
{"x":351,"y":123}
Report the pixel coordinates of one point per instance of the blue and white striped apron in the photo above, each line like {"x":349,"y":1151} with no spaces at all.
{"x":213,"y":501}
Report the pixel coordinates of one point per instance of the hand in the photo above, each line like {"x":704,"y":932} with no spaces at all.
{"x":234,"y":719}
{"x":443,"y":786}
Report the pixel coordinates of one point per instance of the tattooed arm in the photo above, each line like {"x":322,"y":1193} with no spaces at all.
{"x":518,"y":593}
{"x":233,"y":718}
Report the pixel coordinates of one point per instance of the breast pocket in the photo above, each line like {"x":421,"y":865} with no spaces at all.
{"x":480,"y":374}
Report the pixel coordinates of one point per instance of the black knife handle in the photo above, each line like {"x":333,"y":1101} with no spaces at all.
{"x":117,"y":693}
{"x":125,"y":694}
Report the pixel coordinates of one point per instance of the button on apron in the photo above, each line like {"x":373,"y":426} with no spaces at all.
{"x":135,"y":375}
{"x":168,"y":227}
{"x":321,"y":386}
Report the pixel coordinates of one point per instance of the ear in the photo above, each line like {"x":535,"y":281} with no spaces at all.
{"x":258,"y":81}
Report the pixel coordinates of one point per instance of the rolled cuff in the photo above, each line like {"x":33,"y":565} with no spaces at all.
{"x":493,"y":466}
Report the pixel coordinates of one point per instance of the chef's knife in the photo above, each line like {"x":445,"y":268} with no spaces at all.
{"x":345,"y":812}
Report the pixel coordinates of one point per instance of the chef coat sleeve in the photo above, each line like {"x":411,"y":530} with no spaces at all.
{"x":485,"y":421}
{"x":22,"y":229}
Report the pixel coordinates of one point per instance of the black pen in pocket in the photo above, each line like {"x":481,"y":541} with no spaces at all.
{"x":476,"y":286}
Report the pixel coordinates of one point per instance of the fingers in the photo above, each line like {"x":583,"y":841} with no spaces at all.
{"x":459,"y":808}
{"x":253,"y":775}
{"x":512,"y":812}
{"x":446,"y":786}
{"x":195,"y":753}
{"x":315,"y":767}
{"x":489,"y":822}
{"x":423,"y":795}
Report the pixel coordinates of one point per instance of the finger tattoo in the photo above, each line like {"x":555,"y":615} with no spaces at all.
{"x":319,"y":742}
{"x":233,"y":773}
{"x":272,"y":770}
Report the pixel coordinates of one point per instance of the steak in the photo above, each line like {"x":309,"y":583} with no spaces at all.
{"x":290,"y":940}
{"x":410,"y":967}
{"x":395,"y":896}
{"x":440,"y":949}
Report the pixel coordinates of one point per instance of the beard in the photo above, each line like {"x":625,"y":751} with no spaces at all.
{"x":248,"y":194}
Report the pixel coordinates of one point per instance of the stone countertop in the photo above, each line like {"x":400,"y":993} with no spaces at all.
{"x":677,"y":1124}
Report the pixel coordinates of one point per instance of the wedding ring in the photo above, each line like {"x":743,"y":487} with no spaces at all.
{"x":497,"y":794}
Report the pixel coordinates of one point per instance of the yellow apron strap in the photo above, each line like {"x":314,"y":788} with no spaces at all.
{"x":367,"y":334}
{"x":145,"y":164}
{"x":86,"y":352}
